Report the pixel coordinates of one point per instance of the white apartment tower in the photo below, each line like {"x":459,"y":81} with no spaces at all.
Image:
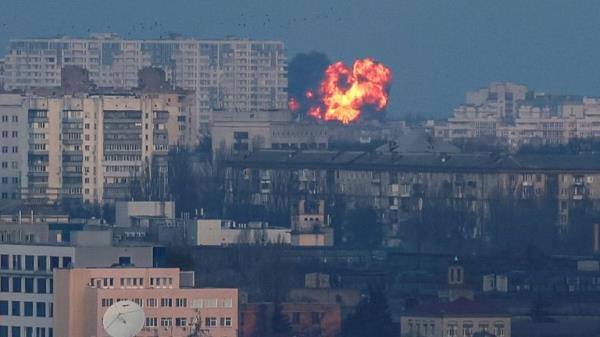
{"x":89,"y":146}
{"x":232,"y":74}
{"x":13,"y":146}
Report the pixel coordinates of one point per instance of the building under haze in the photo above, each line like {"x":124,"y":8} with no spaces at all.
{"x":27,"y":287}
{"x":88,"y":146}
{"x":231,"y":74}
{"x":511,"y":114}
{"x":172,"y":307}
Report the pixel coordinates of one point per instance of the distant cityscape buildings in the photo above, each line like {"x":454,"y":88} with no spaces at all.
{"x":229,"y":75}
{"x":87,"y":147}
{"x":172,"y":174}
{"x":514,"y":115}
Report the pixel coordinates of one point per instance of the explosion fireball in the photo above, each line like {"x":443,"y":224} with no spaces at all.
{"x":344,"y":92}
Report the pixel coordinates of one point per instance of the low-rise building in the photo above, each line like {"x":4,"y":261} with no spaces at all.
{"x":128,"y":213}
{"x":27,"y":287}
{"x":306,"y":319}
{"x":217,"y":232}
{"x":243,"y":131}
{"x":461,"y":318}
{"x":171,"y":306}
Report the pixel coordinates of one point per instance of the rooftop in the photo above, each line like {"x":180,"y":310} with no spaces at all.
{"x":459,"y":308}
{"x":428,"y":162}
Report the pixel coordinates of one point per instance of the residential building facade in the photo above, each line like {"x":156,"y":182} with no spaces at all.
{"x":513,"y":115}
{"x":399,"y":186}
{"x":90,"y":146}
{"x":230,"y":74}
{"x":13,"y":146}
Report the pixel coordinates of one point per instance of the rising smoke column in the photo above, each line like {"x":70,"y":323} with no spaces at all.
{"x":345,"y":92}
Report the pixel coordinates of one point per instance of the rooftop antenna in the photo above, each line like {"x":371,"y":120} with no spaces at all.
{"x":123,"y":319}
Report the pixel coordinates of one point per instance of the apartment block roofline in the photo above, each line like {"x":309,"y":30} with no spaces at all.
{"x":426,"y":162}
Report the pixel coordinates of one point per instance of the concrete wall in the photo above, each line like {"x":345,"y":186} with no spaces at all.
{"x":126,"y":209}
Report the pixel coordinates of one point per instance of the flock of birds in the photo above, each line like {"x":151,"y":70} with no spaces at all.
{"x":242,"y":23}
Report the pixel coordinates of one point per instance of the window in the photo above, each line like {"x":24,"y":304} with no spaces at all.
{"x":210,"y":321}
{"x":3,"y":261}
{"x":16,"y":308}
{"x":16,"y":331}
{"x":28,"y":262}
{"x":41,"y":286}
{"x":41,"y":263}
{"x":295,"y":318}
{"x":3,"y":308}
{"x":4,"y":284}
{"x":151,"y":321}
{"x":166,"y":302}
{"x":181,"y":302}
{"x":315,"y":318}
{"x":66,"y":262}
{"x":166,"y":321}
{"x":151,"y":302}
{"x":124,"y":260}
{"x":210,"y":303}
{"x":16,"y":262}
{"x":40,"y":309}
{"x":54,"y":262}
{"x":180,"y":321}
{"x":225,"y":321}
{"x":28,"y":309}
{"x":16,"y":284}
{"x":28,"y":331}
{"x":51,"y":290}
{"x":3,"y":331}
{"x":29,"y":285}
{"x":107,"y":302}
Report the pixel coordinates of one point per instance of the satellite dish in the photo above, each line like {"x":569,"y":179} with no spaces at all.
{"x":123,"y":319}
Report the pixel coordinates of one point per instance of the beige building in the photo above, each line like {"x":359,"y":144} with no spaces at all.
{"x":234,"y":132}
{"x":171,"y":307}
{"x":216,"y":232}
{"x":28,"y":288}
{"x":508,"y":113}
{"x":126,"y":212}
{"x":90,"y":146}
{"x":13,"y":146}
{"x":461,"y":318}
{"x":230,"y":74}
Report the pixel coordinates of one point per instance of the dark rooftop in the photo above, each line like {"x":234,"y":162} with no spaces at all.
{"x":427,"y":162}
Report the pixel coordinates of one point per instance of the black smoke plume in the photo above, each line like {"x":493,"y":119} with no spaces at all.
{"x":305,"y":73}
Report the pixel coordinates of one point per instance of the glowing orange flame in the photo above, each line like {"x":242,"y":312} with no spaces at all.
{"x":344,"y":91}
{"x":293,"y":104}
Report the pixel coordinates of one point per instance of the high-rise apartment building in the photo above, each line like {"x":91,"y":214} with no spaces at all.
{"x":13,"y":145}
{"x":515,"y":116}
{"x":88,"y":146}
{"x":171,"y":307}
{"x":27,"y":287}
{"x":231,"y":74}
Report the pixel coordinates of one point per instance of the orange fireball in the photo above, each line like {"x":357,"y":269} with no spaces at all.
{"x":293,"y":104}
{"x":344,"y":91}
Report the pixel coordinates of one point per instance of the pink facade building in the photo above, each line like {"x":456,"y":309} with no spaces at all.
{"x":82,"y":295}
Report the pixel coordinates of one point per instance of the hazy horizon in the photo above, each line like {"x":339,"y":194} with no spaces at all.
{"x":436,"y":49}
